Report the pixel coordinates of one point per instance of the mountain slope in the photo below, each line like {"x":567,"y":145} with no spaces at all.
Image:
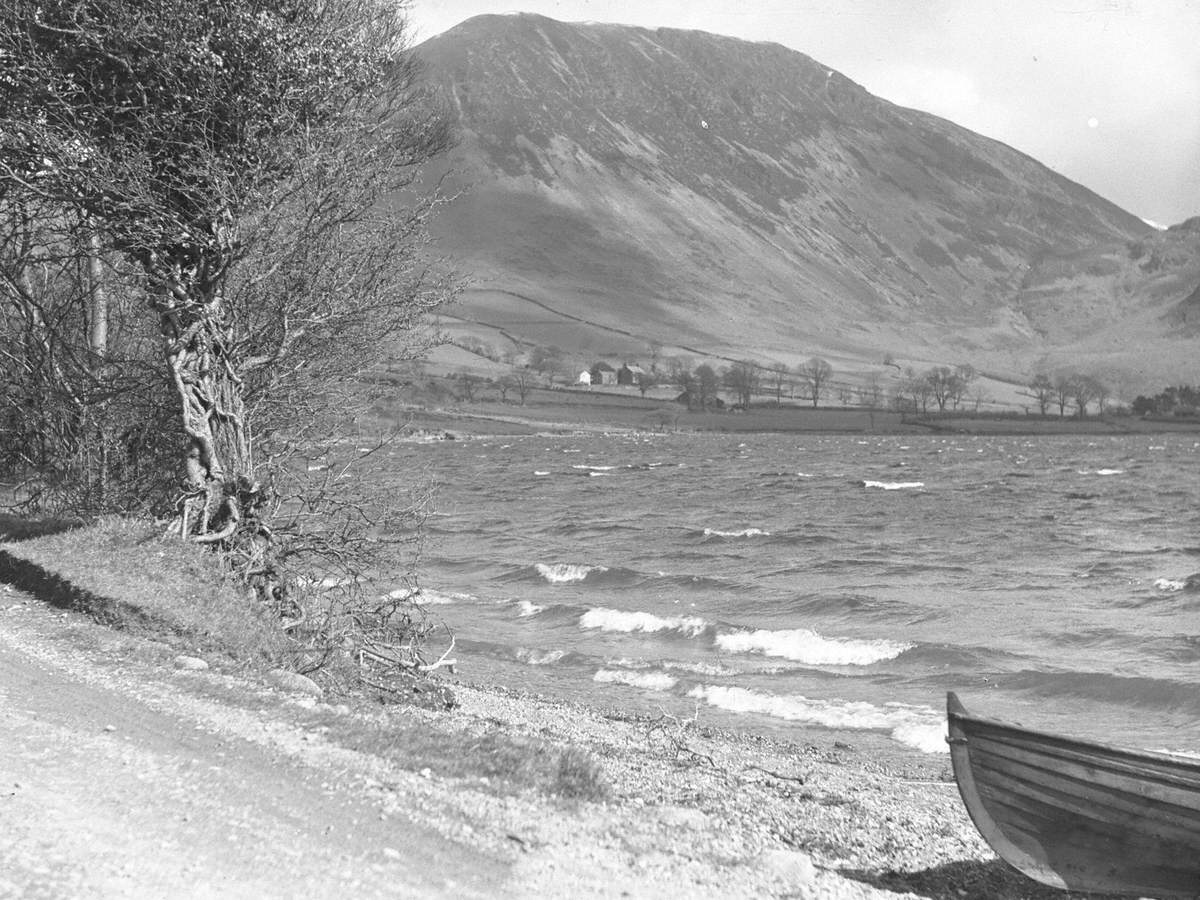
{"x":740,"y":199}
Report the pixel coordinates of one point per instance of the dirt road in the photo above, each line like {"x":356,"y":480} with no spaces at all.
{"x":114,"y":784}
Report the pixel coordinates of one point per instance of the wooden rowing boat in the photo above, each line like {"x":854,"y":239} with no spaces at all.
{"x":1077,"y":815}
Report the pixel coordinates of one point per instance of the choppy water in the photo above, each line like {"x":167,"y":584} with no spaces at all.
{"x":831,"y":581}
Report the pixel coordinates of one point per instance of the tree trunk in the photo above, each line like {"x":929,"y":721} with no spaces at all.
{"x":222,"y":498}
{"x":98,"y":331}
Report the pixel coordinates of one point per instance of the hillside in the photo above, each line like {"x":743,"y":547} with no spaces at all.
{"x":623,"y":187}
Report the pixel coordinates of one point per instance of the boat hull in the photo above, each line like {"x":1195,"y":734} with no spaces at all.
{"x":1078,"y":815}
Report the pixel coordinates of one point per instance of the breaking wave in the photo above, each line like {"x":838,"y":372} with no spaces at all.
{"x":650,"y":681}
{"x":539,"y":657}
{"x":805,"y":646}
{"x":743,"y":532}
{"x":619,"y":620}
{"x":893,"y":485}
{"x":915,"y":726}
{"x":565,"y":573}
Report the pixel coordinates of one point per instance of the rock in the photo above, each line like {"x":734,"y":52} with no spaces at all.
{"x":293,"y":681}
{"x":191,"y":663}
{"x":790,"y":866}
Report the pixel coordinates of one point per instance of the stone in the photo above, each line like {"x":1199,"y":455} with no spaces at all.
{"x":293,"y":681}
{"x":191,"y":663}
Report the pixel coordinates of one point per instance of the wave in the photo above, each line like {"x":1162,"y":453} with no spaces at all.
{"x":708,"y":670}
{"x":920,"y":727}
{"x":565,"y":573}
{"x":743,"y":532}
{"x":893,"y":485}
{"x":627,"y":622}
{"x":650,"y":681}
{"x":1191,"y":583}
{"x":856,"y":605}
{"x":1127,"y":691}
{"x":805,"y":646}
{"x":525,"y":609}
{"x":539,"y":657}
{"x":427,"y":596}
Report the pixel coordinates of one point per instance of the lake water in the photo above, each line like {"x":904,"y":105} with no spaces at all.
{"x":838,"y":582}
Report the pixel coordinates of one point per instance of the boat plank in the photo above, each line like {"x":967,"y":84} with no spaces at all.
{"x":1170,"y":810}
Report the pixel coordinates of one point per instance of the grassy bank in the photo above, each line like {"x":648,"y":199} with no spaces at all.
{"x":131,"y":577}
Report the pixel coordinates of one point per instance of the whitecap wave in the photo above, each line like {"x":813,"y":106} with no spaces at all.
{"x":628,"y":622}
{"x":650,"y":681}
{"x":1169,"y":584}
{"x":525,"y":609}
{"x":894,"y":485}
{"x":426,"y":596}
{"x":805,"y":646}
{"x":595,"y":468}
{"x":708,"y":670}
{"x":564,"y":573}
{"x":920,"y":727}
{"x":539,"y":657}
{"x":743,"y":532}
{"x":540,"y":472}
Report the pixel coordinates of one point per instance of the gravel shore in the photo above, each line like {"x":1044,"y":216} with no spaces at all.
{"x":690,"y":811}
{"x":699,"y":812}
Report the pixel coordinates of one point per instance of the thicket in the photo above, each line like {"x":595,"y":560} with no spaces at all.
{"x":1179,"y":400}
{"x":212,"y":222}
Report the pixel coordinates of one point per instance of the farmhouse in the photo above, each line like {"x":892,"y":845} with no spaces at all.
{"x":603,"y":373}
{"x":631,"y":375}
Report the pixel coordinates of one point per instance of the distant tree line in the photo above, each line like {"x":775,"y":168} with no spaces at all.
{"x":1181,"y":400}
{"x":1068,"y":390}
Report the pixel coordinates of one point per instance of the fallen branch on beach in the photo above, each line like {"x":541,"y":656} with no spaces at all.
{"x":673,"y":729}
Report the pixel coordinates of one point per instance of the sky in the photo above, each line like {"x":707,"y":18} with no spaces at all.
{"x":1106,"y":92}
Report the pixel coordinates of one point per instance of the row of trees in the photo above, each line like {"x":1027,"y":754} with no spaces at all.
{"x":210,"y":225}
{"x":1068,"y":390}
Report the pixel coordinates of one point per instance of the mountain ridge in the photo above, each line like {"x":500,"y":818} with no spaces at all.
{"x":743,"y":198}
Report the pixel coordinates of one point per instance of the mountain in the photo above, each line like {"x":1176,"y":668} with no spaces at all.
{"x":622,"y":187}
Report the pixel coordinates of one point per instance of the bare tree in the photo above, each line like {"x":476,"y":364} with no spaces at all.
{"x":779,"y":377}
{"x":743,"y":379}
{"x":1063,"y":386}
{"x":943,"y":384}
{"x":816,"y":372}
{"x":1042,"y":391}
{"x":468,"y":383}
{"x":872,"y":392}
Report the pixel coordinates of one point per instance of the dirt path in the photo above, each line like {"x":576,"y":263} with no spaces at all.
{"x":112,"y":785}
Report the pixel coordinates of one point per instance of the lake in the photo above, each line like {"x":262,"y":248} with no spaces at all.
{"x":767,"y":581}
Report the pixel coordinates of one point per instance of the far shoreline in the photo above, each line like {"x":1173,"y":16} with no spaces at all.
{"x":550,"y":411}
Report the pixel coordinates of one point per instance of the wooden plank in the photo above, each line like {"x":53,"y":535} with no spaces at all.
{"x":1076,"y":783}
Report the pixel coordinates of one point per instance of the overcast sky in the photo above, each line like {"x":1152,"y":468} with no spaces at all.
{"x":1107,"y":92}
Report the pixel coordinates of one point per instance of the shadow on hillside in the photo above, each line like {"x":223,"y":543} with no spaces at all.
{"x":992,"y":880}
{"x":20,"y":528}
